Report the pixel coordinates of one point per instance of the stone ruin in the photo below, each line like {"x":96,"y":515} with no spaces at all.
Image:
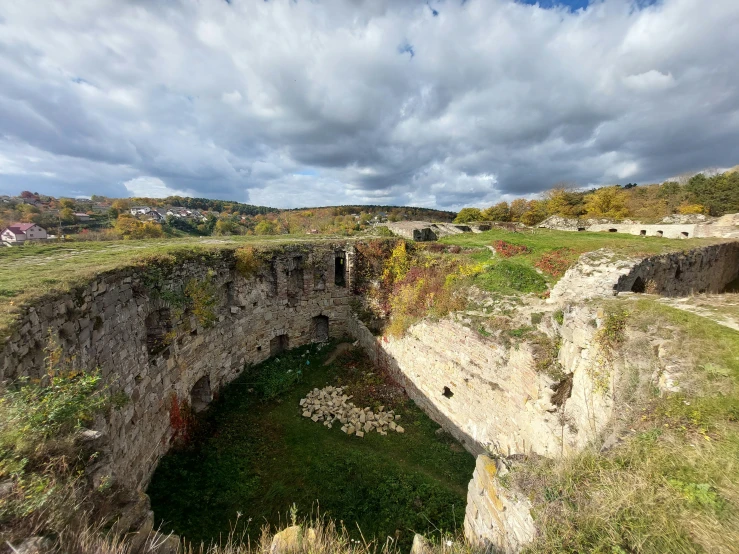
{"x":489,"y":396}
{"x":330,"y":405}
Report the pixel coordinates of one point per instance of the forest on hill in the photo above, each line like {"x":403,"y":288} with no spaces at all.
{"x":707,"y":194}
{"x":102,"y":218}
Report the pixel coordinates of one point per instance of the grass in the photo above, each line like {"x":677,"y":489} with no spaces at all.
{"x":32,"y":271}
{"x":258,"y":457}
{"x":518,"y":274}
{"x":672,"y":484}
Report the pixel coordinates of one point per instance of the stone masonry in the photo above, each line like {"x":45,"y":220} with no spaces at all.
{"x":123,"y":326}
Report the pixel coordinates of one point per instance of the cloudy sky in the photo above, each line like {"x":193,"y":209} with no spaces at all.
{"x":438,"y":103}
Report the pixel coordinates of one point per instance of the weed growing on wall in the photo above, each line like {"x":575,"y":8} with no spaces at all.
{"x":248,"y":261}
{"x":202,"y":297}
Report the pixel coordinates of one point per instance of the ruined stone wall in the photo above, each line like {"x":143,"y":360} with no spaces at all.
{"x":603,"y":273}
{"x":495,"y":516}
{"x":489,"y":396}
{"x":706,"y":269}
{"x":128,"y":324}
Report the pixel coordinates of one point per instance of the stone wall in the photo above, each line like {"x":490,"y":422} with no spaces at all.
{"x":489,"y":396}
{"x":129,"y":324}
{"x":673,"y":227}
{"x":495,"y":516}
{"x":603,"y":273}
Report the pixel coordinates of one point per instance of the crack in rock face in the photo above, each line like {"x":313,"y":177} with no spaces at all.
{"x":330,"y":405}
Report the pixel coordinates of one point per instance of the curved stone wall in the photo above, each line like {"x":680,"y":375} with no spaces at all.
{"x":131,"y":324}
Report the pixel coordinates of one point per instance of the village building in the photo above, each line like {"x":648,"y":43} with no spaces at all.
{"x":82,"y":217}
{"x":18,"y":233}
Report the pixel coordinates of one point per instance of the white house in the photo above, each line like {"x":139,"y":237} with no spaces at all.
{"x":18,"y":233}
{"x":140,"y":210}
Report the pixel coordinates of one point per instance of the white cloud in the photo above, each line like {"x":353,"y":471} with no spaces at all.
{"x":151,"y":187}
{"x":320,"y":102}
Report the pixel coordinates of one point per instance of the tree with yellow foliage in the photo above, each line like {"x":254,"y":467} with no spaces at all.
{"x":606,"y":202}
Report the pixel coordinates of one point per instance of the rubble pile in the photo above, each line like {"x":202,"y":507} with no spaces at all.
{"x":330,"y":405}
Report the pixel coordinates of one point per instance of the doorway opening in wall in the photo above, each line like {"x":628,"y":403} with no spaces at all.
{"x":201,"y":396}
{"x":447,"y":392}
{"x":684,"y":235}
{"x":340,"y":270}
{"x":278,"y":344}
{"x":660,"y":233}
{"x":581,"y":228}
{"x":643,"y":233}
{"x":319,"y":328}
{"x":639,"y":286}
{"x":158,"y":328}
{"x":255,"y":451}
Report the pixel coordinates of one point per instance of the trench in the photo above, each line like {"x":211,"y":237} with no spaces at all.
{"x":253,"y":453}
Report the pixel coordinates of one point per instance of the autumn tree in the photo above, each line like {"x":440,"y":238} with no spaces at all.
{"x":499,"y":212}
{"x":607,"y":202}
{"x":467,"y":215}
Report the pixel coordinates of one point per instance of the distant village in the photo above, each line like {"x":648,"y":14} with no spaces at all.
{"x":32,"y":218}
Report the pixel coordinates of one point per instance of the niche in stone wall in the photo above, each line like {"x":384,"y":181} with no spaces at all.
{"x":639,"y":286}
{"x":158,"y":328}
{"x":201,"y":395}
{"x":447,"y":392}
{"x":278,"y":344}
{"x":319,"y":328}
{"x":340,"y":269}
{"x":295,"y":281}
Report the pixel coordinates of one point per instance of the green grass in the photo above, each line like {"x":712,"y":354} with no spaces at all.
{"x":31,"y":271}
{"x":258,"y":457}
{"x":517,"y":274}
{"x":672,"y":484}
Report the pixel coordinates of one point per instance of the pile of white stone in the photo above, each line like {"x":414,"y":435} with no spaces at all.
{"x":330,"y":405}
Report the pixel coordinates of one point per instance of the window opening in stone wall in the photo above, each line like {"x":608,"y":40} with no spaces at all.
{"x":278,"y":344}
{"x":639,"y":286}
{"x":613,"y":230}
{"x":201,"y":396}
{"x":158,"y":326}
{"x":447,"y":392}
{"x":581,"y":228}
{"x":340,"y":270}
{"x":319,"y":328}
{"x":295,"y":281}
{"x":684,"y":234}
{"x":643,"y":233}
{"x":678,"y":272}
{"x":659,"y":233}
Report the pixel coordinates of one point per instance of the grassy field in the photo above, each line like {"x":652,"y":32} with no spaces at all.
{"x":258,"y":457}
{"x":34,"y":270}
{"x":518,"y":273}
{"x":672,"y":483}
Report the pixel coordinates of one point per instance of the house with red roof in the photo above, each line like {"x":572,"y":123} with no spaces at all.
{"x":18,"y":233}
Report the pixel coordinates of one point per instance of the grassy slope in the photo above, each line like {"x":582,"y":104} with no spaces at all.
{"x":672,"y":484}
{"x":260,"y":457}
{"x":31,"y":271}
{"x":518,"y":274}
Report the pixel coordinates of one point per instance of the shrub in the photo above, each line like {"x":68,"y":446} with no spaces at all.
{"x":508,"y":250}
{"x":555,"y":263}
{"x":38,"y":453}
{"x":248,"y":262}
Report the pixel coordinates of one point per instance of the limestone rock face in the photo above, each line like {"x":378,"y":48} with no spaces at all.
{"x":496,"y":517}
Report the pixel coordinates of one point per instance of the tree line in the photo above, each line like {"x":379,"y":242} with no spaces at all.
{"x":713,"y":195}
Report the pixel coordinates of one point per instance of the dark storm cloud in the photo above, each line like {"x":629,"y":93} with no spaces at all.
{"x":438,"y":103}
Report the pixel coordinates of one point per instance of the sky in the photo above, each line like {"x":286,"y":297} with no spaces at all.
{"x":288,"y":103}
